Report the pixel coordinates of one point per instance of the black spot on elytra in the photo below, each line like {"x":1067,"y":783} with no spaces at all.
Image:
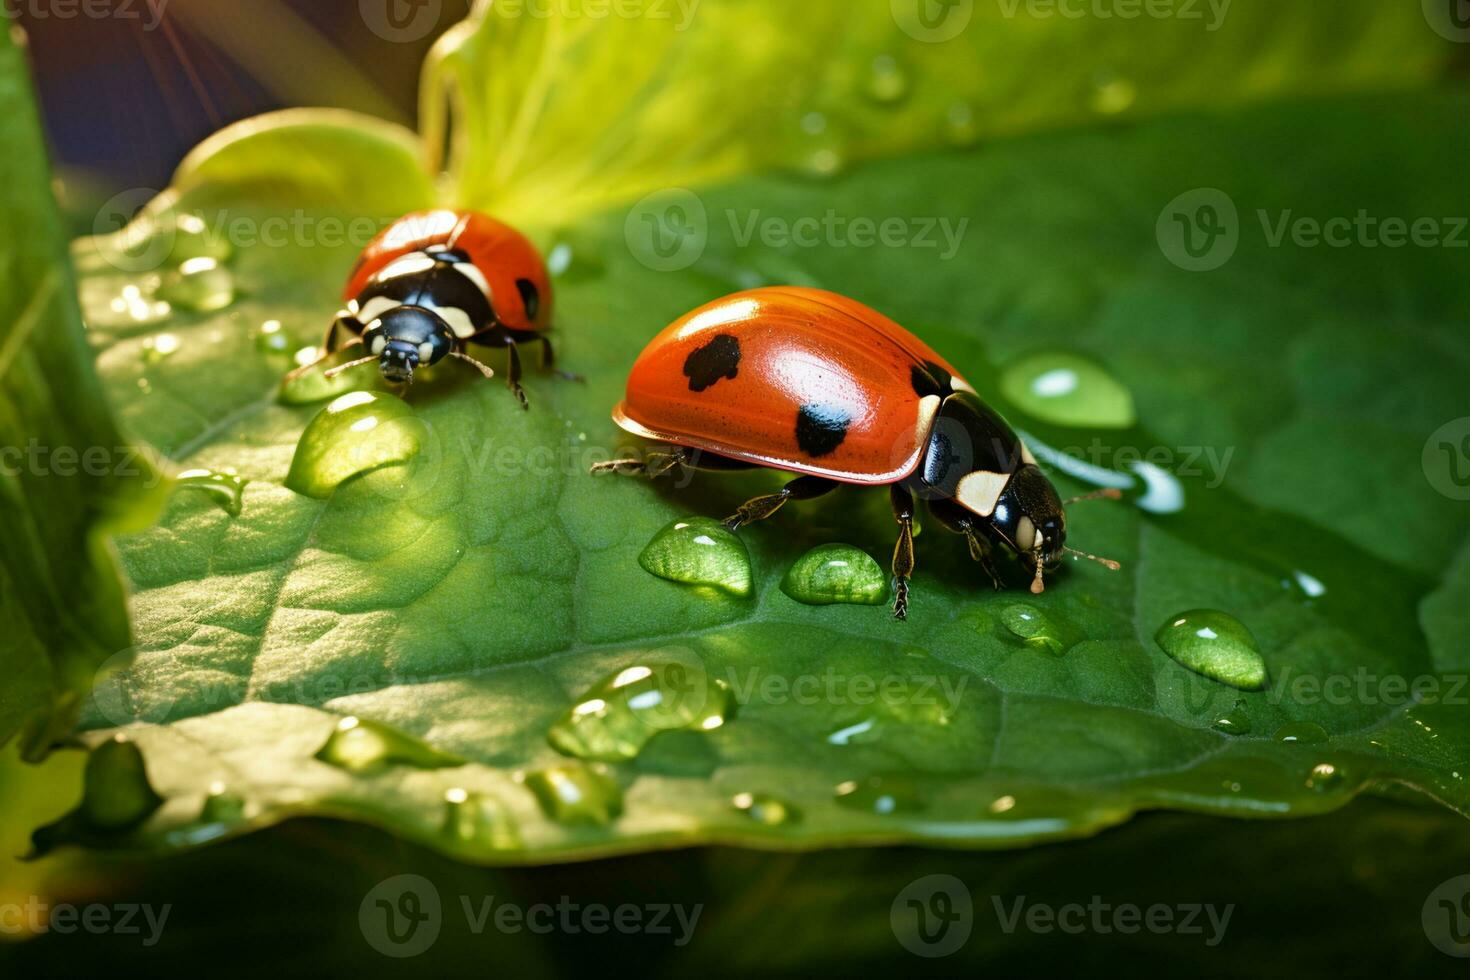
{"x":531,"y":296}
{"x":820,"y":429}
{"x":930,"y":379}
{"x":720,"y":358}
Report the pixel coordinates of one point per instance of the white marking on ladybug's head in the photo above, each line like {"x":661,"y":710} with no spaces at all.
{"x":979,"y":491}
{"x":374,"y":308}
{"x":459,"y":321}
{"x":426,"y":351}
{"x":960,"y":384}
{"x":1026,"y":456}
{"x":1026,"y":539}
{"x":379,"y":342}
{"x":472,"y":272}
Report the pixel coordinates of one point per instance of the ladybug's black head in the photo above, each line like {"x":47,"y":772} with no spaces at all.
{"x":1037,"y":524}
{"x":405,"y":338}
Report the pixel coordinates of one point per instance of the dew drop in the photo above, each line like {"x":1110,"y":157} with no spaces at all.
{"x":574,"y":259}
{"x":1324,"y":777}
{"x":1236,"y":721}
{"x":880,"y":794}
{"x":1305,"y":732}
{"x":836,"y":573}
{"x":1038,"y":629}
{"x":271,"y":339}
{"x":699,"y":551}
{"x":887,"y":82}
{"x":360,"y":431}
{"x":194,"y":240}
{"x":470,"y":818}
{"x":961,"y":126}
{"x":225,"y":488}
{"x":113,"y":302}
{"x":764,"y":809}
{"x":116,"y":793}
{"x":200,"y":285}
{"x":619,"y":715}
{"x":1066,"y":389}
{"x":362,"y":746}
{"x":1216,"y":645}
{"x":820,"y":149}
{"x":1111,"y":94}
{"x":575,"y":794}
{"x":159,"y":347}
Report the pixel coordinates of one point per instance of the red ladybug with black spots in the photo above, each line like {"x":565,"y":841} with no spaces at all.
{"x":436,"y":281}
{"x":819,"y":385}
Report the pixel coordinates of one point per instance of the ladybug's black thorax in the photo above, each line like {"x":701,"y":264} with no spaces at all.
{"x":967,"y":436}
{"x":435,"y":283}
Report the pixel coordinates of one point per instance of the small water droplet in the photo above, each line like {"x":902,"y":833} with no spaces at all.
{"x":836,"y":573}
{"x":1304,"y":732}
{"x":880,"y":794}
{"x":271,"y":339}
{"x":961,"y":126}
{"x":1038,"y":629}
{"x":160,"y":346}
{"x":193,"y":239}
{"x":1111,"y":94}
{"x":362,"y":746}
{"x":470,"y":818}
{"x":1003,"y":804}
{"x":361,"y":431}
{"x":1324,"y":777}
{"x":201,"y":285}
{"x":1234,"y":722}
{"x":1216,"y":645}
{"x":1311,"y":586}
{"x":116,"y":793}
{"x":114,"y":301}
{"x":1065,"y":389}
{"x":765,"y":809}
{"x":225,"y":488}
{"x":575,"y":794}
{"x":618,"y":716}
{"x":574,"y":258}
{"x":855,"y":732}
{"x":887,"y":82}
{"x":699,"y":551}
{"x":820,"y":148}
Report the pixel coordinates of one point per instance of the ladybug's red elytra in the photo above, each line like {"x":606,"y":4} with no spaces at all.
{"x":816,"y":384}
{"x":434,"y":281}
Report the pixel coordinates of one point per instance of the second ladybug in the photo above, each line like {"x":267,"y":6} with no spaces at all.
{"x":436,"y":281}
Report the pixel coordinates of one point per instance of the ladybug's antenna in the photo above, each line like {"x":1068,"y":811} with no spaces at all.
{"x":333,"y":372}
{"x":1101,"y":561}
{"x":1107,"y":493}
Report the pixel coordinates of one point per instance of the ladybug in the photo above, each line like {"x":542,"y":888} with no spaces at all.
{"x":819,"y":385}
{"x":434,"y":281}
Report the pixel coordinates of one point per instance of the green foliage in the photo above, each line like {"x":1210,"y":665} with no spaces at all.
{"x":463,"y":602}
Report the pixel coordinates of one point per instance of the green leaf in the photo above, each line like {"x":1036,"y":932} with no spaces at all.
{"x":462,"y":603}
{"x":68,"y":479}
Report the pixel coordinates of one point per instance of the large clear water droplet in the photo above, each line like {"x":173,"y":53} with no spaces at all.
{"x":225,"y":489}
{"x":362,"y":746}
{"x":271,"y":339}
{"x":1216,"y":645}
{"x":1236,"y":721}
{"x":1066,"y":389}
{"x":1038,"y":629}
{"x":575,"y":794}
{"x":360,"y":431}
{"x":699,"y":551}
{"x":471,"y":818}
{"x":617,"y":717}
{"x":201,"y":285}
{"x":836,"y":573}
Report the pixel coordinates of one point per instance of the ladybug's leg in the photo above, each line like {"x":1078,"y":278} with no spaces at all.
{"x":903,"y":551}
{"x":548,"y":361}
{"x":654,"y":465}
{"x":344,"y":326}
{"x":758,"y":509}
{"x":959,"y":520}
{"x":514,"y":374}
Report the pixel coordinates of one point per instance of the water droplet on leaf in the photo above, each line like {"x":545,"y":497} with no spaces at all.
{"x":226,"y":489}
{"x":1038,"y":629}
{"x":617,"y":717}
{"x":1234,"y":722}
{"x":765,"y":809}
{"x":470,"y":818}
{"x":887,"y":82}
{"x":575,"y":794}
{"x":1216,"y":645}
{"x":880,"y":794}
{"x":1065,"y":389}
{"x":1305,"y":732}
{"x":699,"y":551}
{"x":1111,"y":94}
{"x":363,"y":746}
{"x":836,"y":573}
{"x":201,"y":285}
{"x":360,"y":431}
